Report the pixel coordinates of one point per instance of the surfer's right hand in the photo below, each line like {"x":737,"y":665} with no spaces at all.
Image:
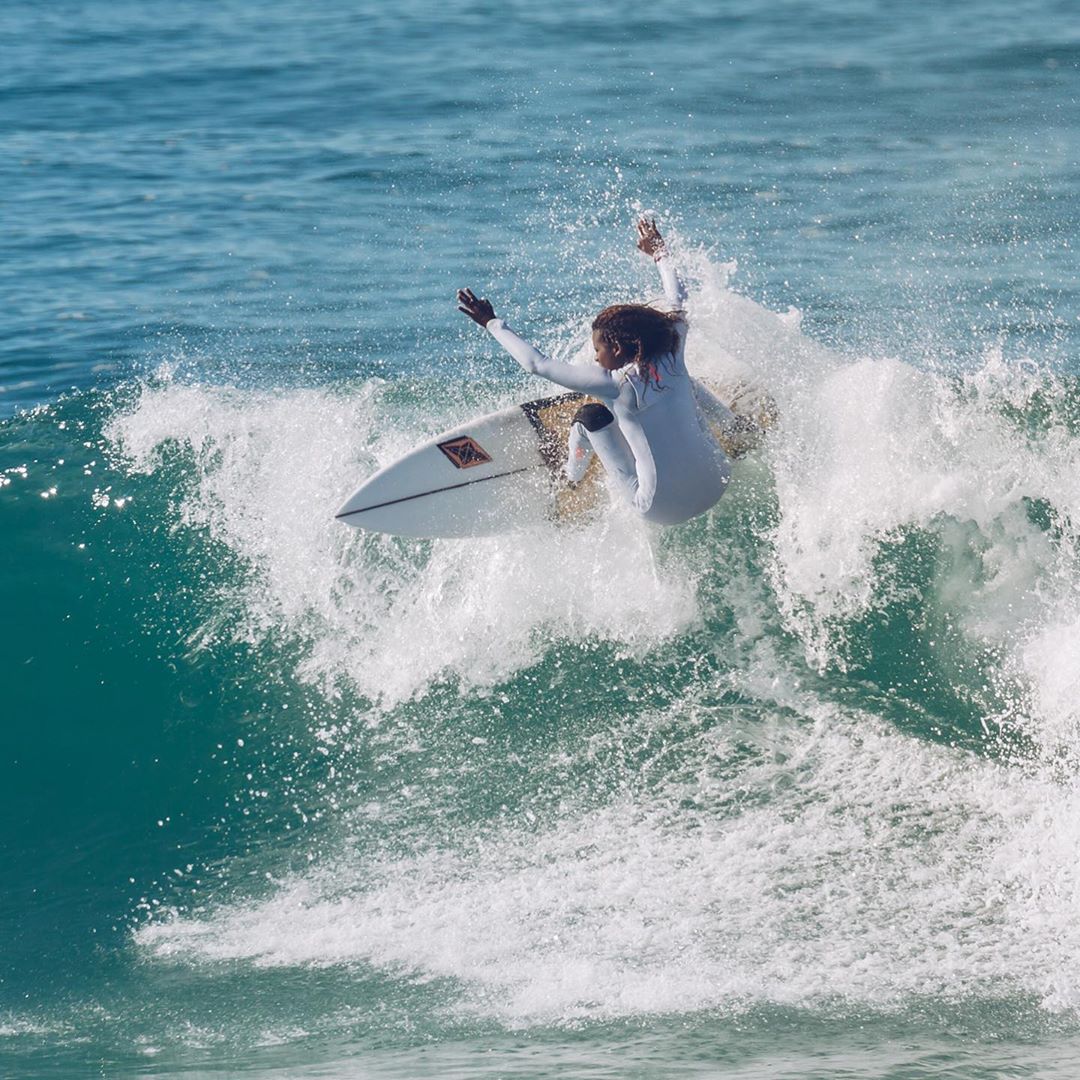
{"x":480,"y":311}
{"x":649,"y":239}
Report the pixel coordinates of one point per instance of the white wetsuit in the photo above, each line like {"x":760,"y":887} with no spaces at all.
{"x":659,"y":453}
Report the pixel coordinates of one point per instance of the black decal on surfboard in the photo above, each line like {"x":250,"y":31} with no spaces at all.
{"x":465,"y":452}
{"x":552,"y":444}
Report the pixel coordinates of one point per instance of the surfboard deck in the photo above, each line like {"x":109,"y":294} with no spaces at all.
{"x":504,"y":471}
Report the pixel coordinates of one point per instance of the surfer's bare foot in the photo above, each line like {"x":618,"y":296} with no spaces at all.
{"x":478,"y":309}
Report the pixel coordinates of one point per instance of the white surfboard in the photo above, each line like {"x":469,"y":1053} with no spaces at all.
{"x":504,"y":471}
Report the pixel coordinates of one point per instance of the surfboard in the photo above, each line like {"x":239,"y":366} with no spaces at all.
{"x":504,"y":471}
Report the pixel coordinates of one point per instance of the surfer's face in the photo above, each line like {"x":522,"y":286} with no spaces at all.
{"x":609,"y":357}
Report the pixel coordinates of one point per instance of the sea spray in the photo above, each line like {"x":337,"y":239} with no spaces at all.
{"x":728,"y":831}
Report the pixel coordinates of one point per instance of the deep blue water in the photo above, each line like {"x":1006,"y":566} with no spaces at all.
{"x":788,"y":791}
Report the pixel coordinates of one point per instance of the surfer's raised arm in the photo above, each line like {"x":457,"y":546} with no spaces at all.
{"x":652,"y":243}
{"x":585,"y":378}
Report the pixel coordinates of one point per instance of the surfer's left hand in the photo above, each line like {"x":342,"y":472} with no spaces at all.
{"x":479,"y":310}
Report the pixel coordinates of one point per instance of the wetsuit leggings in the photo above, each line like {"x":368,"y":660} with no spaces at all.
{"x":595,"y":428}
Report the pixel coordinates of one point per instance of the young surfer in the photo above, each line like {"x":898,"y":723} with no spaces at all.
{"x":646,"y":429}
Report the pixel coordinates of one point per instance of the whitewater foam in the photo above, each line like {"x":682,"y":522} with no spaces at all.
{"x":389,"y":617}
{"x":808,"y":854}
{"x":831,"y":859}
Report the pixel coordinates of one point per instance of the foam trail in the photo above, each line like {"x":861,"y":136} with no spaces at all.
{"x":837,"y":862}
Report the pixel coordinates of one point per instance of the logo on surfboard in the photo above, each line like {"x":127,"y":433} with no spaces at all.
{"x":465,"y":452}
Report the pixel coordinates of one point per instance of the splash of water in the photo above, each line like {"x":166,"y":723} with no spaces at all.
{"x":810,"y":854}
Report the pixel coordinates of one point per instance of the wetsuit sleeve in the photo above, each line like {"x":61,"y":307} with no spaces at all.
{"x":674,"y":289}
{"x":587,"y":378}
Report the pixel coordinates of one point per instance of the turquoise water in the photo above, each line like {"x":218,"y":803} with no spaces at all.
{"x":790,"y":791}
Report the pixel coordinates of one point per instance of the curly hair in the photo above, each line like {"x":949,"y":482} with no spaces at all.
{"x":643,"y":333}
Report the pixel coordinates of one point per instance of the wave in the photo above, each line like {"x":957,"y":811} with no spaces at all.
{"x":816,"y":747}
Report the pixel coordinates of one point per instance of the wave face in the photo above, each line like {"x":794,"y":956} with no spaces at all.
{"x":809,"y":749}
{"x":794,"y":781}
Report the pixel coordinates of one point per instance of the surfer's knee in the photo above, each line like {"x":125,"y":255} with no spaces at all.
{"x":593,"y":416}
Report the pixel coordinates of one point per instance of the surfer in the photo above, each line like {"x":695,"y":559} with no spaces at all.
{"x":646,"y":428}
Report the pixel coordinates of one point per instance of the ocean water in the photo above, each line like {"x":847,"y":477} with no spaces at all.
{"x":790,"y":791}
